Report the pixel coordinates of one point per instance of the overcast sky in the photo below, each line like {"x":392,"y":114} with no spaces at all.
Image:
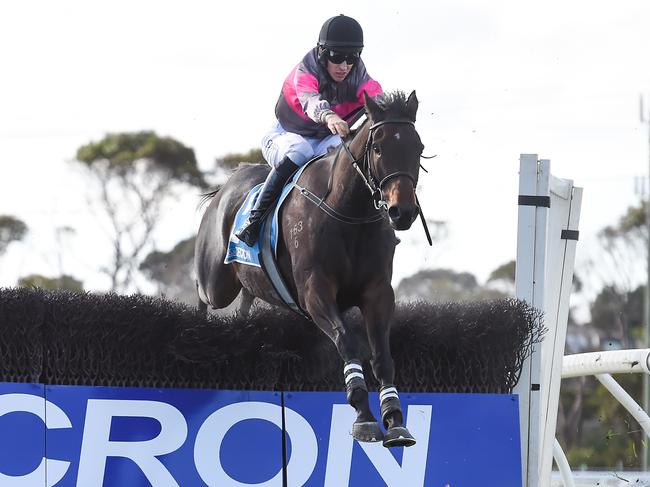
{"x":495,"y":79}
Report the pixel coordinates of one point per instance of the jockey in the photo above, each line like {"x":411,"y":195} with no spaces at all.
{"x":317,"y":97}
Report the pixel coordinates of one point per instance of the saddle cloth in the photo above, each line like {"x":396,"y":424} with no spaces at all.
{"x":238,"y":251}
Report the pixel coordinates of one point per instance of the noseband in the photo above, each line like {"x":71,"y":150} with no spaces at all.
{"x":372,"y":181}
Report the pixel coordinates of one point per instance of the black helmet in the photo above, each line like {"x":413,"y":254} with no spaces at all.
{"x":341,"y":33}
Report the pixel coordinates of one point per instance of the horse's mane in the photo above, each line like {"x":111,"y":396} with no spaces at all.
{"x":393,"y":101}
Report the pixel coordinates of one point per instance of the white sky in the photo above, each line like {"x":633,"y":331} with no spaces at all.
{"x":494,"y":79}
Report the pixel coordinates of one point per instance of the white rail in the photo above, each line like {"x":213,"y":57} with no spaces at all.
{"x":612,"y":362}
{"x":602,"y":364}
{"x":563,"y":465}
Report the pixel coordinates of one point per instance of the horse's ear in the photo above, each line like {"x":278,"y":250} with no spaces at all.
{"x":372,"y":109}
{"x":412,"y":105}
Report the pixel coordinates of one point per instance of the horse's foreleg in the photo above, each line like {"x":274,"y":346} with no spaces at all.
{"x":377,"y":309}
{"x":321,"y":304}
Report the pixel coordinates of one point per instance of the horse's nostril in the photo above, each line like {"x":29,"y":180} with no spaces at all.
{"x":415,"y":213}
{"x":393,"y":212}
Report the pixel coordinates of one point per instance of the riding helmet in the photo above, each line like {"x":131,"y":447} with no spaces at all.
{"x":341,"y":33}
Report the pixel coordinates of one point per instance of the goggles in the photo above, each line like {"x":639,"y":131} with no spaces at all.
{"x":338,"y":57}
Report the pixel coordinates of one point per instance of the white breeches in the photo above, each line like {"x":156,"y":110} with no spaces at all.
{"x":278,"y":144}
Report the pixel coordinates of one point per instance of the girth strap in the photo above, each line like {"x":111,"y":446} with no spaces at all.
{"x":272,"y":271}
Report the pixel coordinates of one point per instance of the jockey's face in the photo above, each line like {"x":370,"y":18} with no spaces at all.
{"x":338,"y":72}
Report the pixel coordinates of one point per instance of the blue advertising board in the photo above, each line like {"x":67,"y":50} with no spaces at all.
{"x":463,"y":440}
{"x":104,"y":436}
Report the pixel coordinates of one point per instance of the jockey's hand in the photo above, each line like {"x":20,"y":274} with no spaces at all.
{"x":337,"y":125}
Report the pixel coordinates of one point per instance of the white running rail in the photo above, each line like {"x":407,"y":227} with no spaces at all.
{"x":601,"y":365}
{"x":611,"y":362}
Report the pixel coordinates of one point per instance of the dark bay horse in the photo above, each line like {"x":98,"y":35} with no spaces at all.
{"x":334,"y":253}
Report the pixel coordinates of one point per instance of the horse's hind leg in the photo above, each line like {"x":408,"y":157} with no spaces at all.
{"x":321,"y":304}
{"x":217,"y":283}
{"x":377,"y":309}
{"x":245,"y":303}
{"x":202,"y":306}
{"x":223,"y":285}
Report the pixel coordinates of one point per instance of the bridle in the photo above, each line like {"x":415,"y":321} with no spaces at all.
{"x":373,"y":183}
{"x":369,"y":176}
{"x":371,"y":180}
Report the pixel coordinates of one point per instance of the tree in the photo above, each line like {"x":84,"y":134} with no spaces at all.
{"x":442,"y":285}
{"x":622,"y":246}
{"x":618,"y":316}
{"x":504,"y":271}
{"x":11,"y":230}
{"x":503,"y":278}
{"x":172,"y":271}
{"x":135,"y":173}
{"x":606,"y":435}
{"x":232,"y":160}
{"x":62,"y":282}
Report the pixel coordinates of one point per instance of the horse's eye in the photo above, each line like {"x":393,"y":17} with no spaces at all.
{"x":377,"y":149}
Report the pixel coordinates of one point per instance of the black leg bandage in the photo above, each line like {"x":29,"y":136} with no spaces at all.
{"x":389,"y":405}
{"x":353,"y":373}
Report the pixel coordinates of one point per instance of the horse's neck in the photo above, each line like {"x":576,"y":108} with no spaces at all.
{"x":350,"y":194}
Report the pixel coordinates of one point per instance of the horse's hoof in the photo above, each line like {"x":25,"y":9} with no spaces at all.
{"x":368,"y":431}
{"x":398,"y":436}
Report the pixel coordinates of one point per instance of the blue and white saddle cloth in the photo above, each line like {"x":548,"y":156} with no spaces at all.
{"x":238,"y":251}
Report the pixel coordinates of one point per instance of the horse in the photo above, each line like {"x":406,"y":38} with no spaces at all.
{"x":335,"y":247}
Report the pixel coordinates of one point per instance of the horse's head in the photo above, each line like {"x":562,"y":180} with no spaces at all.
{"x":393,"y":155}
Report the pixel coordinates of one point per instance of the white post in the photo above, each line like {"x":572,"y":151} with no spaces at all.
{"x":534,"y":202}
{"x":549,"y":212}
{"x":564,"y":217}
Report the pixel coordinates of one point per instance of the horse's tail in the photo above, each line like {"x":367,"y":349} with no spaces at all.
{"x":205,"y":197}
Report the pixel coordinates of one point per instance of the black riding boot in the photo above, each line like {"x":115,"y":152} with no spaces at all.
{"x":272,"y":188}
